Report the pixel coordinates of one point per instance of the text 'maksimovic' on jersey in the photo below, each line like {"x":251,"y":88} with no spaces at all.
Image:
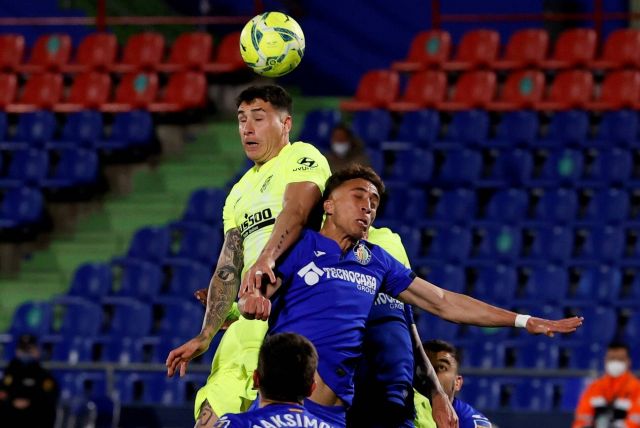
{"x":273,"y":416}
{"x":469,"y":417}
{"x":326,"y":296}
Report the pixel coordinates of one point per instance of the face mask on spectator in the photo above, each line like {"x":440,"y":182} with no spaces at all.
{"x":340,"y":148}
{"x":615,"y":368}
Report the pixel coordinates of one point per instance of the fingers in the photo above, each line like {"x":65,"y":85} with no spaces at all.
{"x":172,"y":362}
{"x":183,"y":368}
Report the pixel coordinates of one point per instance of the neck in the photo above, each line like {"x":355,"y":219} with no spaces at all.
{"x":265,"y":402}
{"x":276,"y":151}
{"x":344,"y":240}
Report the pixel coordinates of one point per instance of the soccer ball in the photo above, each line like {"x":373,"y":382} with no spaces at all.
{"x":272,"y":44}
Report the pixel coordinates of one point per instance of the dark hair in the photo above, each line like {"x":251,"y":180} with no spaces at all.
{"x":273,"y":94}
{"x":352,"y":172}
{"x":617,"y":344}
{"x":435,"y":346}
{"x":286,"y":367}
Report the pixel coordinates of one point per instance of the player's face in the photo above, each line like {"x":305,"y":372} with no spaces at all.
{"x":446,"y":368}
{"x":352,"y":207}
{"x":263,"y":130}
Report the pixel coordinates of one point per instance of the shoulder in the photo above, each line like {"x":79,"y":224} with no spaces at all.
{"x":300,"y":147}
{"x":230,"y":420}
{"x":470,"y":417}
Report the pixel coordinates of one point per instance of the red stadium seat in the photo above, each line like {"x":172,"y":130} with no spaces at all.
{"x":185,"y":90}
{"x":227,"y":57}
{"x":8,"y":89}
{"x":474,"y":89}
{"x":142,"y":51}
{"x":620,"y":89}
{"x":570,"y":89}
{"x":622,"y":49}
{"x":428,"y":49}
{"x":526,"y":48}
{"x":97,"y":51}
{"x":51,"y":52}
{"x":135,"y":91}
{"x":377,"y":89}
{"x":523,"y":89}
{"x":190,"y":51}
{"x":41,"y":92}
{"x":89,"y":91}
{"x":478,"y":48}
{"x":575,"y":47}
{"x":11,"y":51}
{"x":426,"y":89}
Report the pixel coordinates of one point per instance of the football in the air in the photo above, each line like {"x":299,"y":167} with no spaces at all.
{"x":272,"y":44}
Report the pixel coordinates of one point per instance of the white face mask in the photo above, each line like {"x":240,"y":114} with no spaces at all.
{"x":340,"y":148}
{"x":615,"y":368}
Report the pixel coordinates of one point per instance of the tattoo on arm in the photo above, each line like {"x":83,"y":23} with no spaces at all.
{"x":224,"y":284}
{"x":207,"y":416}
{"x":282,"y":238}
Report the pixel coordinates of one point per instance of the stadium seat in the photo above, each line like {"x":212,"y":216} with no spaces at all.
{"x":318,"y":126}
{"x":537,"y":353}
{"x":570,"y":89}
{"x":495,"y":283}
{"x":131,"y":130}
{"x":522,"y":90}
{"x":204,"y":206}
{"x":611,"y":167}
{"x":51,"y":52}
{"x":149,"y":244}
{"x":76,"y":316}
{"x":574,"y":47}
{"x":455,"y":206}
{"x":620,"y":89}
{"x":560,"y":167}
{"x":74,"y":167}
{"x":402,"y":203}
{"x":31,"y":317}
{"x":187,"y":277}
{"x":190,"y":51}
{"x":525,"y":48}
{"x":89,"y":91}
{"x":484,"y":354}
{"x":477,"y":48}
{"x":549,"y":242}
{"x":4,"y":125}
{"x":197,"y":242}
{"x":28,"y":167}
{"x":508,"y":206}
{"x":474,"y":89}
{"x":138,"y":279}
{"x":425,"y":89}
{"x":543,"y":283}
{"x":468,"y":128}
{"x":177,"y":317}
{"x":11,"y":51}
{"x":96,"y":52}
{"x":227,"y":57}
{"x":8,"y":89}
{"x":129,"y":318}
{"x":496,"y":242}
{"x":431,"y":327}
{"x":136,"y":90}
{"x":35,"y":128}
{"x":429,"y":48}
{"x":185,"y":90}
{"x":410,"y":166}
{"x":21,"y":207}
{"x":82,"y":128}
{"x":631,"y":332}
{"x":533,"y":395}
{"x":419,"y":127}
{"x":447,"y":276}
{"x":511,"y":168}
{"x":42,"y":91}
{"x":460,"y":166}
{"x":617,"y":128}
{"x":557,"y":205}
{"x":608,"y":206}
{"x":599,"y":329}
{"x":73,"y":350}
{"x":372,"y":126}
{"x":92,"y":281}
{"x":376,"y":89}
{"x":595,"y":283}
{"x":142,"y":51}
{"x":604,"y":243}
{"x":446,"y":244}
{"x":620,"y":50}
{"x":483,"y":392}
{"x":125,"y":350}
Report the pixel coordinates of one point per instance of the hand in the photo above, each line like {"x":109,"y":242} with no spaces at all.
{"x":442,"y":411}
{"x":253,"y":278}
{"x":201,"y":295}
{"x":181,"y":356}
{"x":550,"y":327}
{"x":255,"y":306}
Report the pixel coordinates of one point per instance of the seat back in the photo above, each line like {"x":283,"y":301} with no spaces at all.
{"x":621,"y":88}
{"x":475,"y":88}
{"x":460,"y":166}
{"x":144,"y":50}
{"x":198,"y":242}
{"x":135,"y":126}
{"x":130,"y":318}
{"x":419,"y":127}
{"x":497,"y":243}
{"x":613,"y":166}
{"x":11,"y":51}
{"x":525,"y":88}
{"x":508,"y":206}
{"x":97,"y":51}
{"x":75,"y":316}
{"x":141,"y":280}
{"x":188,"y":277}
{"x":372,"y":126}
{"x":22,"y":205}
{"x":552,"y":243}
{"x":36,"y":127}
{"x":90,"y":90}
{"x":557,"y":205}
{"x":546,"y":283}
{"x":137,"y":89}
{"x":448,"y":243}
{"x":518,"y":127}
{"x":150,"y":243}
{"x":8,"y":89}
{"x":205,"y":206}
{"x":32,"y":318}
{"x":563,"y":166}
{"x":573,"y":88}
{"x":51,"y":51}
{"x":191,"y":50}
{"x":528,"y":46}
{"x":456,"y":205}
{"x":496,"y":284}
{"x":479,"y":47}
{"x":432,"y":47}
{"x":92,"y":281}
{"x":570,"y":127}
{"x":187,"y":89}
{"x":618,"y":127}
{"x":318,"y":126}
{"x":469,"y":127}
{"x":84,"y":127}
{"x":29,"y":166}
{"x":576,"y":46}
{"x":427,"y":88}
{"x":78,"y":165}
{"x":43,"y":90}
{"x":228,"y":53}
{"x":378,"y":87}
{"x":622,"y":47}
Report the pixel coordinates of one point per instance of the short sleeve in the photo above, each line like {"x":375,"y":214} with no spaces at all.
{"x":228,"y":219}
{"x":397,"y":277}
{"x":306,"y":163}
{"x":288,"y":263}
{"x":229,"y":421}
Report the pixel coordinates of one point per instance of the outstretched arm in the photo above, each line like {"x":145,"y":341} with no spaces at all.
{"x":463,"y":309}
{"x":223,"y":288}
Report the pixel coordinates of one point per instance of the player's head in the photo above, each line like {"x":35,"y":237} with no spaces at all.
{"x":264,"y":121}
{"x":286,"y":367}
{"x":351,"y":199}
{"x":617,"y":360}
{"x":445,"y":359}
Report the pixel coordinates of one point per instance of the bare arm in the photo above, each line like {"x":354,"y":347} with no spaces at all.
{"x":298,"y":202}
{"x":463,"y":309}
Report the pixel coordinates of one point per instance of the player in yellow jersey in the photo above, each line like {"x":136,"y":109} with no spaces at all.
{"x":263,"y":216}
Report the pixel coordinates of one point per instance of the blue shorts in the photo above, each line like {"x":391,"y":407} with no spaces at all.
{"x":336,"y":416}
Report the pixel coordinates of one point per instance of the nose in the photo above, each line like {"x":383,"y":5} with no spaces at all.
{"x":367,"y":208}
{"x":247,"y":128}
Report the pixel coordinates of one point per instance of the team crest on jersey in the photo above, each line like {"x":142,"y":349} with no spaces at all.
{"x":266,"y":183}
{"x":362,"y":253}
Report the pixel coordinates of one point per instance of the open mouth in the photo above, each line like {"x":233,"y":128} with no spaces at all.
{"x":364,"y":223}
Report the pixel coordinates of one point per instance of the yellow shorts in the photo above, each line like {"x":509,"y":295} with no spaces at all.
{"x":229,"y":387}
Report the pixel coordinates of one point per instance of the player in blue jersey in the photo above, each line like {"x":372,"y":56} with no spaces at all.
{"x":446,"y":360}
{"x":287,"y":364}
{"x":327,"y":283}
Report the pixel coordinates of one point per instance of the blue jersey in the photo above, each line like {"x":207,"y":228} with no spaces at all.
{"x":326,"y":296}
{"x":470,"y":417}
{"x":271,"y":416}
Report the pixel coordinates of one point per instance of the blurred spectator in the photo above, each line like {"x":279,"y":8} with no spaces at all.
{"x":612,"y":400}
{"x":28,"y":392}
{"x":346,"y":149}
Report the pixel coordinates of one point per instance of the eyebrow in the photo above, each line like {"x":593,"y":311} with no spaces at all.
{"x":362,"y":189}
{"x":444,"y":360}
{"x":257,"y":109}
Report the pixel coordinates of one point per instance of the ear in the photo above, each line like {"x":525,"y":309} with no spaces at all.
{"x":328,"y":206}
{"x":256,"y":380}
{"x":287,"y":123}
{"x":457,"y":386}
{"x":314,"y":385}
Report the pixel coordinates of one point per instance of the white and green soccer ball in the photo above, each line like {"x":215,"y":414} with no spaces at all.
{"x":272,"y":44}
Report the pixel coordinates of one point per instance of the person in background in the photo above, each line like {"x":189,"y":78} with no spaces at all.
{"x":28,"y":391}
{"x":612,"y":400}
{"x":346,"y":149}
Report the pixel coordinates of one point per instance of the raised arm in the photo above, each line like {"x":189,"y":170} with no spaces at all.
{"x":463,"y":309}
{"x":298,"y":202}
{"x":223,"y":288}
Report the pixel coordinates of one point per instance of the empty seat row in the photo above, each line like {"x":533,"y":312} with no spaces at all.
{"x":142,"y":51}
{"x":525,"y":48}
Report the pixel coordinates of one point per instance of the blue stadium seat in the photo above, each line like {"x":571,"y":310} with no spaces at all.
{"x":496,"y":284}
{"x":562,"y":166}
{"x":76,"y":316}
{"x":508,"y":206}
{"x":33,"y":318}
{"x":496,"y":242}
{"x":73,"y":350}
{"x":617,"y":128}
{"x":533,"y":395}
{"x":632,"y":252}
{"x":596,"y":283}
{"x":571,"y":390}
{"x":587,"y":355}
{"x":407,"y":166}
{"x":516,"y":128}
{"x":468,"y":127}
{"x":3,"y":125}
{"x":197,"y":242}
{"x":566,"y":128}
{"x":608,"y":206}
{"x":412,"y":241}
{"x":75,"y":167}
{"x":446,"y":243}
{"x":447,"y":276}
{"x":376,"y":159}
{"x":604,"y":243}
{"x":149,"y":243}
{"x":456,"y":206}
{"x":36,"y":128}
{"x":557,"y":206}
{"x":545,"y":282}
{"x":28,"y":166}
{"x":431,"y":327}
{"x":317,"y":127}
{"x":130,"y":130}
{"x":372,"y":126}
{"x":511,"y":168}
{"x":129,"y":318}
{"x":481,"y":392}
{"x":187,"y":277}
{"x":138,"y":279}
{"x":82,"y":128}
{"x":460,"y":166}
{"x":403,"y":203}
{"x":631,"y":332}
{"x":92,"y":281}
{"x":123,"y":350}
{"x":205,"y":206}
{"x":537,"y":353}
{"x":177,"y":317}
{"x":551,"y":243}
{"x":21,"y":207}
{"x":484,"y":354}
{"x":419,"y":127}
{"x":612,"y":166}
{"x":600,"y":324}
